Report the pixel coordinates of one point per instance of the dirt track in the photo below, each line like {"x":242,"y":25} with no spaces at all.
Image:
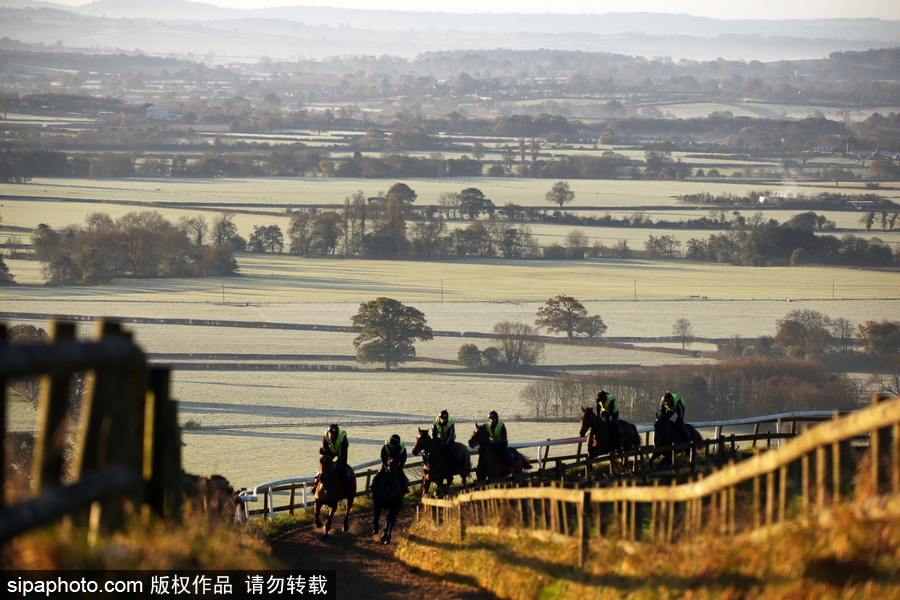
{"x":365,"y":567}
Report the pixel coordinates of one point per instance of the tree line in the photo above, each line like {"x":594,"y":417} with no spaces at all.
{"x":800,"y":367}
{"x":139,"y":244}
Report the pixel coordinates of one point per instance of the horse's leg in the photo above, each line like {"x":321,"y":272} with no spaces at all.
{"x":318,"y":507}
{"x":389,"y":523}
{"x":331,"y":511}
{"x":347,"y":514}
{"x":376,"y":519}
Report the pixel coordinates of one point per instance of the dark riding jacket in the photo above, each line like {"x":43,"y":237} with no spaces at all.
{"x":398,"y":453}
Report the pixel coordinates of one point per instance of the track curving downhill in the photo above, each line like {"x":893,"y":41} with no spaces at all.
{"x":366,"y":568}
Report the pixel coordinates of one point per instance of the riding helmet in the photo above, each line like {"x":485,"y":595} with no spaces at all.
{"x":333,"y":428}
{"x":444,"y":414}
{"x":493,"y":415}
{"x":395,"y":439}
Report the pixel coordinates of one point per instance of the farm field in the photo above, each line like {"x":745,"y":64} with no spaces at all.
{"x":299,"y":191}
{"x":262,"y":202}
{"x":260,"y":426}
{"x":266,"y":278}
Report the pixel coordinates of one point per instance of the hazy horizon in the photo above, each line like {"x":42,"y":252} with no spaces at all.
{"x":761,"y":9}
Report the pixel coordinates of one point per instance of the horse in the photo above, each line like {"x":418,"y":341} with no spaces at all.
{"x":665,"y":434}
{"x":437,"y":468}
{"x":600,"y":439}
{"x":331,"y":489}
{"x":387,"y":494}
{"x":490,"y":463}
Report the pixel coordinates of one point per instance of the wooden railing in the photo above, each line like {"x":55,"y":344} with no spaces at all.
{"x":812,"y":467}
{"x":128,"y":444}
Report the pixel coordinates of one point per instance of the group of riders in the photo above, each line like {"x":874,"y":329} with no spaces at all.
{"x":671,"y":404}
{"x":443,"y":432}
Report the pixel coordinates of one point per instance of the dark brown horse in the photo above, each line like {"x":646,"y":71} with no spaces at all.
{"x":333,"y":487}
{"x":490,"y":463}
{"x":387,"y":494}
{"x":665,"y":434}
{"x":600,"y":438}
{"x":437,"y":467}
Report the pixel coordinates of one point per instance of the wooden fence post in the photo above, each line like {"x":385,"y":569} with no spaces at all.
{"x":836,"y":472}
{"x":2,"y":424}
{"x":583,"y":528}
{"x":804,"y":482}
{"x":895,"y":458}
{"x":50,"y":445}
{"x":782,"y":493}
{"x":162,"y":447}
{"x":113,"y":425}
{"x":756,"y":502}
{"x":875,"y":451}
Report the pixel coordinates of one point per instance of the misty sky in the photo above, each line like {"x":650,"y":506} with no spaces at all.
{"x":754,"y":9}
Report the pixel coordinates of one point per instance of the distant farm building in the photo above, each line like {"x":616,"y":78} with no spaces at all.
{"x":862,"y":205}
{"x":160,"y":113}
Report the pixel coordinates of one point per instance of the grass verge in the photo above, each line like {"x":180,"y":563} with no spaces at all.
{"x":198,"y":542}
{"x":849,"y":554}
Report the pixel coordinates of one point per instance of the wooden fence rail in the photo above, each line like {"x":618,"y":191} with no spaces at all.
{"x":128,"y":453}
{"x":810,"y":464}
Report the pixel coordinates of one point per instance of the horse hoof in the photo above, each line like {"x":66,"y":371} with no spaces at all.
{"x":318,"y":523}
{"x":345,"y":527}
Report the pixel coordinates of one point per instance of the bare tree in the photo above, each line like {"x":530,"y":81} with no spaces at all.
{"x":576,"y":241}
{"x":195,"y":228}
{"x":517,"y":343}
{"x":684,"y":331}
{"x":843,"y":331}
{"x":538,"y":396}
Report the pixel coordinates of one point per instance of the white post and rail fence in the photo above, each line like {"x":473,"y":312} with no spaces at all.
{"x":551,"y":457}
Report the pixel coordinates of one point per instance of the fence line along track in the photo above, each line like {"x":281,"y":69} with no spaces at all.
{"x":299,"y":489}
{"x":812,"y":467}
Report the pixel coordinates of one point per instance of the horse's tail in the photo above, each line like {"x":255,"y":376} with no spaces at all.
{"x":698,"y":438}
{"x":526,"y":464}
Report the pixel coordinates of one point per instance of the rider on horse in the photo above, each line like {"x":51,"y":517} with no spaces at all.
{"x":673,"y":404}
{"x":334,"y":445}
{"x":394,"y":448}
{"x":499,"y":441}
{"x":444,"y":433}
{"x":608,"y":408}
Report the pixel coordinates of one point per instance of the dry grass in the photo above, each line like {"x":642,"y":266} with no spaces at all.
{"x":851,"y":557}
{"x":198,"y":543}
